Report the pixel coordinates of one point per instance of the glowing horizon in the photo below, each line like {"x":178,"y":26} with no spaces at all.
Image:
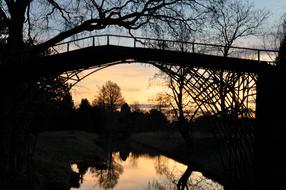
{"x":133,"y":79}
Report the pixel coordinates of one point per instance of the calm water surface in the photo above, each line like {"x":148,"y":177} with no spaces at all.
{"x":140,"y":172}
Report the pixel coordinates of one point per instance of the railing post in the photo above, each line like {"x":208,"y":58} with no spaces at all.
{"x":193,"y":47}
{"x":258,"y":54}
{"x":68,"y":47}
{"x":134,"y":43}
{"x":93,"y":41}
{"x":107,"y":39}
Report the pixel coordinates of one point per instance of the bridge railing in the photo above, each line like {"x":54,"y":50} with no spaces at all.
{"x":142,"y":42}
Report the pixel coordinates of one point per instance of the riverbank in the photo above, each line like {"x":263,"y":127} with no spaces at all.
{"x":203,"y":156}
{"x":55,"y":151}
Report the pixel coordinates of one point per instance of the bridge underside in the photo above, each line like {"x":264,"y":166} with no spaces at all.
{"x":91,"y":57}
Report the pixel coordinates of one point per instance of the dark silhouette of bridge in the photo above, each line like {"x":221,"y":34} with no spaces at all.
{"x":104,"y":50}
{"x":243,"y":65}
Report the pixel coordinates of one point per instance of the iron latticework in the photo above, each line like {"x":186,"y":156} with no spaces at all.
{"x":231,"y":121}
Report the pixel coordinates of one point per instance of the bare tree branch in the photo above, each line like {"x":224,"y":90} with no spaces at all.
{"x":234,"y":19}
{"x":120,"y":15}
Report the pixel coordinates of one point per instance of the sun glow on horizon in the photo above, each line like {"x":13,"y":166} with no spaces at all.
{"x":133,"y":79}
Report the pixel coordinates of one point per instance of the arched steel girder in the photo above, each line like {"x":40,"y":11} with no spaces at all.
{"x":75,"y":76}
{"x":96,"y":56}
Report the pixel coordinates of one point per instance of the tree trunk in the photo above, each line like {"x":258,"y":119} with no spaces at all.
{"x":183,"y":181}
{"x":183,"y":127}
{"x":15,"y":39}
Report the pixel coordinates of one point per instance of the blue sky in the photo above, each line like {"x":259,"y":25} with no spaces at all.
{"x":276,"y":7}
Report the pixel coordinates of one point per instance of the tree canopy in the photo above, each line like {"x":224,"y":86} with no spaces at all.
{"x":109,"y":97}
{"x":48,"y":22}
{"x":233,"y":19}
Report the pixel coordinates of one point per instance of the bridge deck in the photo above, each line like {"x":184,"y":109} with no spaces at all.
{"x":100,"y":55}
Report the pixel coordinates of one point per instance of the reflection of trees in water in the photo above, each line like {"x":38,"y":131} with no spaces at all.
{"x":82,"y":169}
{"x":156,"y":185}
{"x":108,"y":178}
{"x":107,"y":174}
{"x":175,"y":179}
{"x":162,"y":168}
{"x":133,"y":159}
{"x":196,"y":181}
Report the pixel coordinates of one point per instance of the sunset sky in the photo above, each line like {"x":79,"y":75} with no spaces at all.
{"x":134,"y":79}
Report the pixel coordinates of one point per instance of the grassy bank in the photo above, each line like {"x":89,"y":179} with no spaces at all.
{"x":54,"y":153}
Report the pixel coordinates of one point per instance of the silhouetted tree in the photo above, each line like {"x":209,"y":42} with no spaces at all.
{"x":157,"y":119}
{"x":109,"y":97}
{"x":161,"y":102}
{"x":281,"y":60}
{"x":125,"y":124}
{"x":84,"y":105}
{"x":84,"y":115}
{"x":67,"y":103}
{"x":233,"y":19}
{"x":56,"y":103}
{"x":3,"y":33}
{"x":178,"y":98}
{"x":125,"y":109}
{"x":29,"y":19}
{"x":139,"y":121}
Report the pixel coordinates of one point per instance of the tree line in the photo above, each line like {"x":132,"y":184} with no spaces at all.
{"x":108,"y":113}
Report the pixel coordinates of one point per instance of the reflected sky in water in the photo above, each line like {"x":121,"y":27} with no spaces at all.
{"x":143,"y":173}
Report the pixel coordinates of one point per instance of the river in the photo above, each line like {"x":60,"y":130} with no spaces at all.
{"x":133,"y":171}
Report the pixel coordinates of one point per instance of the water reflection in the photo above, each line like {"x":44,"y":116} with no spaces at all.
{"x":108,"y":178}
{"x":141,"y":171}
{"x":181,"y":179}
